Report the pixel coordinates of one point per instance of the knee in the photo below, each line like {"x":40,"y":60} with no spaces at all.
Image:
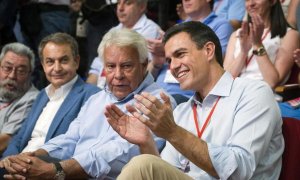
{"x":140,"y":164}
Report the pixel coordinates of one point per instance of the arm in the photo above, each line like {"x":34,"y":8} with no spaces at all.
{"x":291,"y":16}
{"x":92,"y":79}
{"x":4,"y":139}
{"x":161,"y":122}
{"x":274,"y":74}
{"x":156,"y":48}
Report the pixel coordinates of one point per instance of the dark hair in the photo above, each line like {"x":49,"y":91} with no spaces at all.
{"x":278,"y":21}
{"x":59,"y":38}
{"x":199,"y":33}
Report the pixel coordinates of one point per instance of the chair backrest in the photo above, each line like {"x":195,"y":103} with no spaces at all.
{"x":291,"y":156}
{"x":293,"y":79}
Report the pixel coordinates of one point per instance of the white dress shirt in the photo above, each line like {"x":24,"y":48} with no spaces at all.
{"x":56,"y":98}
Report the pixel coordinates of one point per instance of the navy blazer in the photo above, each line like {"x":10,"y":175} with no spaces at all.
{"x":68,"y":111}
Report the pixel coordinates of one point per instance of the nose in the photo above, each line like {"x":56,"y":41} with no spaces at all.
{"x":120,"y":6}
{"x":57,"y":66}
{"x":175,"y":64}
{"x":119,"y":74}
{"x":12,"y":74}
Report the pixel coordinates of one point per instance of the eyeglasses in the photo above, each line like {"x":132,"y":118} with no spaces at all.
{"x":20,"y":71}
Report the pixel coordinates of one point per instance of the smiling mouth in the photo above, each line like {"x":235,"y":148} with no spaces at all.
{"x":182,"y":74}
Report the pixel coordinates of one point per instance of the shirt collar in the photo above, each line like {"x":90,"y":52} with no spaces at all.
{"x":61,"y":91}
{"x":145,"y":83}
{"x":206,"y":20}
{"x":222,"y":88}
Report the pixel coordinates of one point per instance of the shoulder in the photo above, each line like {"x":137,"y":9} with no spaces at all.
{"x":85,"y":87}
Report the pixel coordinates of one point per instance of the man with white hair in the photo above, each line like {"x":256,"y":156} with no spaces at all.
{"x":131,"y":15}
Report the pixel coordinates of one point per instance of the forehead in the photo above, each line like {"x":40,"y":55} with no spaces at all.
{"x":53,"y":48}
{"x":128,"y":1}
{"x":180,"y":40}
{"x":15,"y":59}
{"x":115,"y":53}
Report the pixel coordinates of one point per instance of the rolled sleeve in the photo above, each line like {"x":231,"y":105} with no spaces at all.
{"x":113,"y":155}
{"x":226,"y":161}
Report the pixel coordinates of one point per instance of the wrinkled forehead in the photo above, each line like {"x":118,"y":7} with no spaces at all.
{"x":120,"y":53}
{"x":11,"y":58}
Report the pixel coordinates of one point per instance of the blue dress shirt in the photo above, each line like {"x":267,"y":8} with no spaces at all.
{"x":244,"y":135}
{"x":91,"y":141}
{"x":230,"y":9}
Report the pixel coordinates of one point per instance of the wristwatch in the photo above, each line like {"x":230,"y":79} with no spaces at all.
{"x":260,"y":51}
{"x":60,"y":174}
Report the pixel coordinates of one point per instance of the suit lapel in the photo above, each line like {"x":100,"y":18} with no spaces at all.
{"x":66,"y":106}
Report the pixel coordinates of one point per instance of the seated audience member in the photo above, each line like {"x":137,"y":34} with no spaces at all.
{"x":16,"y":91}
{"x":262,"y":49}
{"x":197,"y":10}
{"x":91,"y":148}
{"x":131,"y":15}
{"x":229,"y":129}
{"x":292,"y":108}
{"x":59,"y":103}
{"x":232,"y":10}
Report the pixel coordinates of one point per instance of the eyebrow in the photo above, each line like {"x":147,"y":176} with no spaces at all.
{"x":11,"y":64}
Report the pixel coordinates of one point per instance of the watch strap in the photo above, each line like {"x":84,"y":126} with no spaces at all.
{"x":260,"y":51}
{"x":58,"y":167}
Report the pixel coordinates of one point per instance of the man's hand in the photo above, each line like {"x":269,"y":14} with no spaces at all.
{"x":128,"y":127}
{"x":31,"y":167}
{"x":159,"y":115}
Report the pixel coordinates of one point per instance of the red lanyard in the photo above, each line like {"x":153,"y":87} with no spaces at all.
{"x":207,"y":119}
{"x":262,"y":39}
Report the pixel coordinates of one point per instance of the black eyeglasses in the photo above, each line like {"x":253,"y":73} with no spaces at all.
{"x":20,"y":71}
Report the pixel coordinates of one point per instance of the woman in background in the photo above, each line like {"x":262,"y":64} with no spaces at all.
{"x":263,"y":47}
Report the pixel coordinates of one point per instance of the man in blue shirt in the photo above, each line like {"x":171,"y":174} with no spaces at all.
{"x":232,"y":10}
{"x":91,"y":148}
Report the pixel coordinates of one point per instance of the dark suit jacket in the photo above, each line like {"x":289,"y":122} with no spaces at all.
{"x":67,"y":112}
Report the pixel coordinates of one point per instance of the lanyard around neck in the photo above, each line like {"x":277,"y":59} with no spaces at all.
{"x":251,"y":57}
{"x":200,"y":132}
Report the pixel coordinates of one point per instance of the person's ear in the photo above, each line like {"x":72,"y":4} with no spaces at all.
{"x":209,"y":48}
{"x":77,"y":61}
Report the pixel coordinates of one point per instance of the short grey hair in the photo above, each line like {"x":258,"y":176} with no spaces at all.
{"x":124,"y":38}
{"x":19,"y":49}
